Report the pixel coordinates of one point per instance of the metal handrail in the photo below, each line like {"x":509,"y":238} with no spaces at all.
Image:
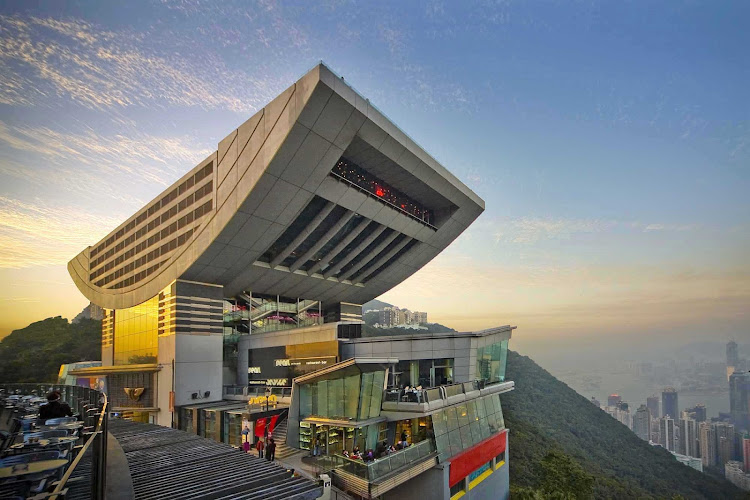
{"x":99,"y":466}
{"x":373,"y":195}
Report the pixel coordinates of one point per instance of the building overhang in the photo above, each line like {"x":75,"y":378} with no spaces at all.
{"x":336,"y":422}
{"x":278,"y":215}
{"x":115,"y":369}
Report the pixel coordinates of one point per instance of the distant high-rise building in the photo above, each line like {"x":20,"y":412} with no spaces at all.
{"x":614,"y":399}
{"x":697,"y":412}
{"x":642,"y":423}
{"x":595,"y":402}
{"x":390,"y":316}
{"x":623,"y":406}
{"x":739,"y":399}
{"x":688,"y":438}
{"x":746,"y":452}
{"x":419,"y":317}
{"x":667,"y":433}
{"x":652,"y":402}
{"x":732,"y":358}
{"x":732,"y":353}
{"x":708,"y":444}
{"x":724,"y":433}
{"x":669,"y":406}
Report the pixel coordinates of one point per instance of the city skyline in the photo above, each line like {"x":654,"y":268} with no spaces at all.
{"x":615,"y":196}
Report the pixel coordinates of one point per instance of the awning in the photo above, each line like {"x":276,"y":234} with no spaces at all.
{"x":341,"y":422}
{"x":113,"y":369}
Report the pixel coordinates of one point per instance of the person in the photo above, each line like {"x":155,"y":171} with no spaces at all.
{"x":54,"y":408}
{"x":346,"y":454}
{"x":259,"y":446}
{"x":403,"y":436}
{"x":271,"y":449}
{"x":245,"y":439}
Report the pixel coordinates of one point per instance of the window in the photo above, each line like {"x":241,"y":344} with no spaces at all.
{"x":458,"y":490}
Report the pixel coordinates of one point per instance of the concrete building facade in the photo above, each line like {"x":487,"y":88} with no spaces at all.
{"x":250,"y":270}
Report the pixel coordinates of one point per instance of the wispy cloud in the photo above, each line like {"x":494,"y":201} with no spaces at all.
{"x":37,"y":234}
{"x":153,"y":159}
{"x":529,"y":230}
{"x":42,"y":59}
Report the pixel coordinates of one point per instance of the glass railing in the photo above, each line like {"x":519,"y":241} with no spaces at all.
{"x":419,"y":395}
{"x":376,"y":469}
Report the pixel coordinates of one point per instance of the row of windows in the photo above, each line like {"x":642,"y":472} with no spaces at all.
{"x":175,"y":226}
{"x":169,"y":197}
{"x":182,"y":222}
{"x":154,"y":254}
{"x":188,"y":201}
{"x":138,"y":277}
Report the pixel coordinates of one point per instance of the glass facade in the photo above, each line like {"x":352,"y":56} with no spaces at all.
{"x":136,"y":332}
{"x":459,"y":427}
{"x":351,"y":395}
{"x":422,"y":372}
{"x":491,"y":362}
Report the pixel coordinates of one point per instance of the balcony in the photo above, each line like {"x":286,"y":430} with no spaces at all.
{"x":372,"y":479}
{"x":425,"y":400}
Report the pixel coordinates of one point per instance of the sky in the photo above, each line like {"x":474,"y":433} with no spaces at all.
{"x":610,"y":142}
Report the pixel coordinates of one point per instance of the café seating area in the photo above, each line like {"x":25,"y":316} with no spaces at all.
{"x":38,"y":456}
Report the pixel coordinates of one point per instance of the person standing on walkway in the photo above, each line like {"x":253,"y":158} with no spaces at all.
{"x":246,"y":439}
{"x":259,"y":446}
{"x":271,"y":450}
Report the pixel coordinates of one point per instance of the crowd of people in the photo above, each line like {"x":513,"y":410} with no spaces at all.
{"x":382,"y":450}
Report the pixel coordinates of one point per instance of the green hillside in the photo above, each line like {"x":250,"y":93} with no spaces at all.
{"x":35,"y":353}
{"x":562,"y":446}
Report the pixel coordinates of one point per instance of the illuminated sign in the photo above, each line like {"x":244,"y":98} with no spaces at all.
{"x":277,"y":381}
{"x":261,"y":400}
{"x":282,"y":362}
{"x":253,"y":369}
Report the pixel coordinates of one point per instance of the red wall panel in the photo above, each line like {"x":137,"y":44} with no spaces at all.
{"x":470,"y":460}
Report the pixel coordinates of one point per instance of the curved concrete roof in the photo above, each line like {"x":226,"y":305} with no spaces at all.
{"x":271,"y":174}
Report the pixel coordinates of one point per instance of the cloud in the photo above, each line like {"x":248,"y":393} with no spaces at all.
{"x":150,"y":158}
{"x":529,"y":230}
{"x":38,"y":234}
{"x":669,"y":227}
{"x":42,"y":59}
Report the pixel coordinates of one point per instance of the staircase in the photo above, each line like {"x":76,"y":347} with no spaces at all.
{"x":279,"y":435}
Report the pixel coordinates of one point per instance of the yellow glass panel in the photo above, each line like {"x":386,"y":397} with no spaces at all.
{"x":135,"y":333}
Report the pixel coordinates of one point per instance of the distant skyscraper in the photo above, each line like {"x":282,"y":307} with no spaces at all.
{"x":642,"y":423}
{"x":697,"y":412}
{"x":732,"y":354}
{"x":724,"y":433}
{"x":669,"y":406}
{"x":739,"y":399}
{"x":746,"y":452}
{"x":708,"y":444}
{"x":613,"y":399}
{"x":688,"y":438}
{"x":732,"y":358}
{"x":667,"y":433}
{"x":652,"y":402}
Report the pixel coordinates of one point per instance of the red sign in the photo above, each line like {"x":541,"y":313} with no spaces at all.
{"x":260,"y":427}
{"x":272,"y":423}
{"x":470,"y":460}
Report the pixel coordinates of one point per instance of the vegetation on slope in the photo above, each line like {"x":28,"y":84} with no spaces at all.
{"x":35,"y":353}
{"x":562,"y":446}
